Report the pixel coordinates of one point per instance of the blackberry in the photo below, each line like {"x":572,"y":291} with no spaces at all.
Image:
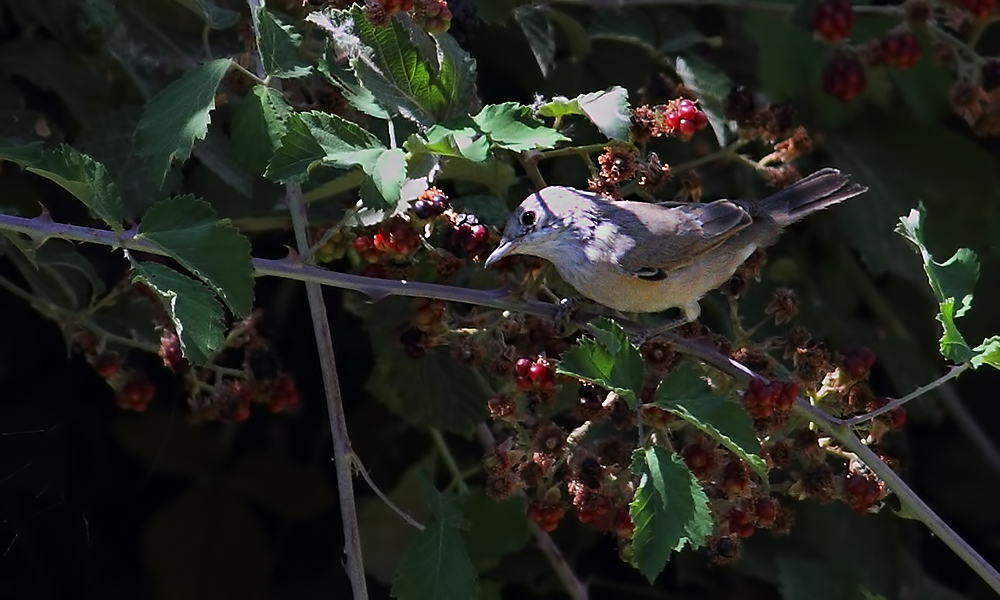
{"x":464,"y":20}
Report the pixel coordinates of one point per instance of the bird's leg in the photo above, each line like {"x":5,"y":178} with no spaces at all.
{"x":689,"y":313}
{"x":565,"y":317}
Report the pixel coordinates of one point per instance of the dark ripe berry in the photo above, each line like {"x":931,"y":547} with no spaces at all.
{"x":990,"y":75}
{"x":136,"y":393}
{"x":765,"y":510}
{"x":107,"y":364}
{"x":233,"y":402}
{"x":523,"y":366}
{"x":285,"y":394}
{"x":423,"y":209}
{"x":740,"y":523}
{"x":724,"y":549}
{"x":858,"y":362}
{"x":464,"y":20}
{"x":844,"y":77}
{"x":897,"y":417}
{"x":900,"y":49}
{"x":833,"y":20}
{"x":261,"y":362}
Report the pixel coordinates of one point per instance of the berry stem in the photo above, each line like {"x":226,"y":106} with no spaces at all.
{"x":360,"y":468}
{"x":722,"y":153}
{"x":449,"y":461}
{"x":953,"y":372}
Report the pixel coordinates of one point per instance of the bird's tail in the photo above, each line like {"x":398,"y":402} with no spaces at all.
{"x":822,"y":189}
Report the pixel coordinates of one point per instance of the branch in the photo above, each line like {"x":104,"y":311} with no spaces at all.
{"x":955,"y":371}
{"x":839,"y":430}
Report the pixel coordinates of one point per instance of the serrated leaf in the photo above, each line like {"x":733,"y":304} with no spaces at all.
{"x":541,"y":38}
{"x":608,"y":360}
{"x":345,"y":143}
{"x":347,"y":82}
{"x":387,"y":62}
{"x":510,"y":125}
{"x":279,"y":47}
{"x":297,"y":153}
{"x":215,"y":16}
{"x":952,"y":282}
{"x":496,"y":528}
{"x":492,"y":173}
{"x":258,"y":126}
{"x":670,"y":509}
{"x":987,"y":353}
{"x":388,"y":175}
{"x":196,"y":314}
{"x":108,"y":140}
{"x":189,"y":231}
{"x":607,"y":110}
{"x":711,"y":85}
{"x":576,"y":35}
{"x":77,"y":173}
{"x":178,"y":116}
{"x":436,"y":564}
{"x":460,"y":139}
{"x":684,"y":393}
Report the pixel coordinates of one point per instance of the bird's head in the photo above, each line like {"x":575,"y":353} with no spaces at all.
{"x":543,"y":223}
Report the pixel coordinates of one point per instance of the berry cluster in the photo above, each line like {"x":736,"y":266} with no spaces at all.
{"x":431,"y":203}
{"x":395,"y":236}
{"x":833,"y":20}
{"x":680,"y":117}
{"x":764,"y":400}
{"x":844,"y":77}
{"x":135,"y":391}
{"x":170,"y":351}
{"x":467,"y":237}
{"x":768,"y":123}
{"x":900,"y":49}
{"x":534,"y":374}
{"x":546,"y":516}
{"x":464,"y":20}
{"x":433,"y":16}
{"x":861,"y":492}
{"x":380,"y":11}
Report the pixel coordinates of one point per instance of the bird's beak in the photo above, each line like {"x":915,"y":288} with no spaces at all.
{"x":505,"y":248}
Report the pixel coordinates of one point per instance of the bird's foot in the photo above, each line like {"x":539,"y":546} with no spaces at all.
{"x":566,"y":316}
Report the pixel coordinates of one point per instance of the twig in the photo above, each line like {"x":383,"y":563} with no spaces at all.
{"x":724,"y":152}
{"x":782,"y":7}
{"x":568,"y":151}
{"x":449,"y":460}
{"x":953,"y":372}
{"x":399,"y":511}
{"x":837,"y":429}
{"x":530,"y":164}
{"x":576,"y":589}
{"x":338,"y":422}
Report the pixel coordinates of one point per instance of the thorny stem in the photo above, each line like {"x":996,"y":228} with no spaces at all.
{"x":335,"y":406}
{"x":42,"y":227}
{"x":838,"y":429}
{"x":952,"y":373}
{"x":576,"y":589}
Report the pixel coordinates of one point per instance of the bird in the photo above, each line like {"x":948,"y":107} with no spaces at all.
{"x":643,"y":257}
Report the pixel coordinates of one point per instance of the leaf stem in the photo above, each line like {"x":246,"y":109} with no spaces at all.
{"x":952,"y":373}
{"x":569,"y":151}
{"x":724,"y":152}
{"x":449,"y":460}
{"x":378,"y":492}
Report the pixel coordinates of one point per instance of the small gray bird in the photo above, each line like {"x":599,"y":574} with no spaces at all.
{"x":643,"y":257}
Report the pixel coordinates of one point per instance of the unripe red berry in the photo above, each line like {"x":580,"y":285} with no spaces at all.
{"x":765,"y":510}
{"x":833,"y":20}
{"x":523,"y":366}
{"x":900,"y":49}
{"x":844,"y":77}
{"x":107,"y":364}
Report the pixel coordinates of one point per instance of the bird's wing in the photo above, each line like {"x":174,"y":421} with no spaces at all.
{"x":675,"y":235}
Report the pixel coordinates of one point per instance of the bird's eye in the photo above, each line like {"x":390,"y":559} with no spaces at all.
{"x":528,"y":218}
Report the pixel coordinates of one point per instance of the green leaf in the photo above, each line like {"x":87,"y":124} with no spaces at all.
{"x":496,"y":528}
{"x":215,"y":16}
{"x":389,"y":174}
{"x":387,"y":62}
{"x":258,"y":126}
{"x":541,"y":37}
{"x":575,"y":33}
{"x":178,"y":116}
{"x":670,"y":509}
{"x":684,"y":393}
{"x":279,"y":48}
{"x":196,"y":314}
{"x":607,"y":110}
{"x":711,"y":85}
{"x":987,"y":353}
{"x":77,"y":173}
{"x":345,"y":143}
{"x":436,"y":564}
{"x":461,"y":139}
{"x":297,"y":153}
{"x":492,"y":173}
{"x":952,"y":281}
{"x":510,"y":125}
{"x":609,"y":360}
{"x":189,"y":231}
{"x":108,"y":140}
{"x":807,"y":579}
{"x":347,"y":82}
